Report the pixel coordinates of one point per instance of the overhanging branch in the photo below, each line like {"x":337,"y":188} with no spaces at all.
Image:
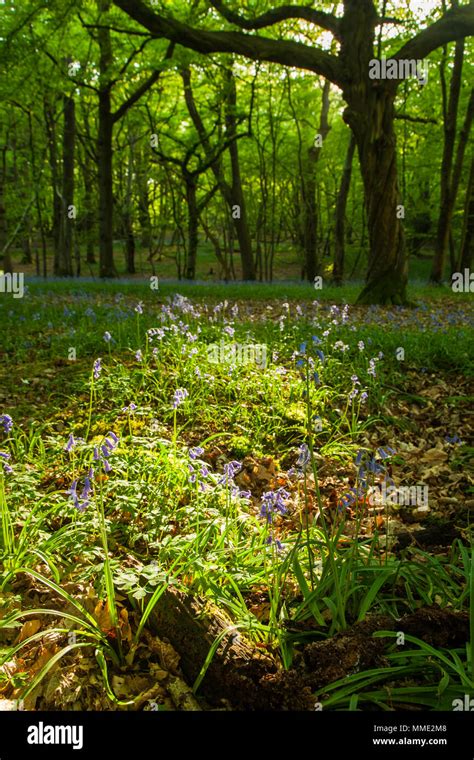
{"x":276,"y":15}
{"x":454,"y":25}
{"x":285,"y":52}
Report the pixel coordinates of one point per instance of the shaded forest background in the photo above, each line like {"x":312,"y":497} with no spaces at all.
{"x":122,"y":152}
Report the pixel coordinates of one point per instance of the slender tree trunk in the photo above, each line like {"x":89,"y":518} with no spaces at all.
{"x":467,"y":243}
{"x":7,"y":262}
{"x":238,"y":199}
{"x":53,"y":165}
{"x":193,"y":227}
{"x":65,"y":267}
{"x":232,"y":194}
{"x":312,"y":264}
{"x":446,"y":198}
{"x":341,"y":203}
{"x":105,"y":151}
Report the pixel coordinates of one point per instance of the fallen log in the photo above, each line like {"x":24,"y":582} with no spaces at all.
{"x":239,"y":673}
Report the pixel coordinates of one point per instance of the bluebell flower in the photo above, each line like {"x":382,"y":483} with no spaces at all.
{"x":7,"y":422}
{"x":87,"y":489}
{"x":304,"y":457}
{"x":107,"y":336}
{"x":273,"y":501}
{"x":454,"y":439}
{"x":139,"y":307}
{"x":73,"y":494}
{"x":179,"y":396}
{"x":383,"y":452}
{"x":278,"y":545}
{"x":196,"y":452}
{"x":230,"y":469}
{"x":97,"y":368}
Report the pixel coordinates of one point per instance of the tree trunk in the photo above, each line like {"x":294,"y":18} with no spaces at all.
{"x":65,"y":268}
{"x":105,"y":152}
{"x":7,"y":262}
{"x":467,"y":243}
{"x":387,"y":273}
{"x":232,"y":194}
{"x":238,"y":199}
{"x":193,"y":227}
{"x":446,"y":198}
{"x":49,"y":117}
{"x":339,"y":236}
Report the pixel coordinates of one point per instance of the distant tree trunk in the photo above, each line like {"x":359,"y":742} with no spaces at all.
{"x":312,"y":263}
{"x":88,"y":214}
{"x":144,"y":203}
{"x":50,"y":123}
{"x":27,"y":257}
{"x":65,"y":267}
{"x":341,"y":203}
{"x":467,"y":242}
{"x":193,"y":227}
{"x":128,"y":219}
{"x":105,"y":152}
{"x":7,"y":265}
{"x":238,"y":199}
{"x":446,"y":199}
{"x":232,"y":194}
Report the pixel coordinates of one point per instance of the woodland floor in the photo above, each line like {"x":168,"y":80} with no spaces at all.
{"x":308,"y":594}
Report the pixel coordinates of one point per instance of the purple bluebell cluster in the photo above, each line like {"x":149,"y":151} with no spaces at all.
{"x":81,"y":502}
{"x":102,"y":453}
{"x":97,"y":368}
{"x":6,"y":422}
{"x":5,"y":457}
{"x":368,"y":467}
{"x":272,"y":502}
{"x":179,"y":396}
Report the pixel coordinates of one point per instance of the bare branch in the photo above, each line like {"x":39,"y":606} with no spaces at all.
{"x":415,"y":119}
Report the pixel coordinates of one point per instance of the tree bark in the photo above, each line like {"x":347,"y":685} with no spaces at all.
{"x":467,"y":243}
{"x":446,"y":199}
{"x":193,"y":227}
{"x":232,"y":193}
{"x":49,"y":118}
{"x":65,"y":268}
{"x":341,"y":203}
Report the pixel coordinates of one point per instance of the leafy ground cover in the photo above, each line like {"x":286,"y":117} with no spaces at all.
{"x":136,"y":468}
